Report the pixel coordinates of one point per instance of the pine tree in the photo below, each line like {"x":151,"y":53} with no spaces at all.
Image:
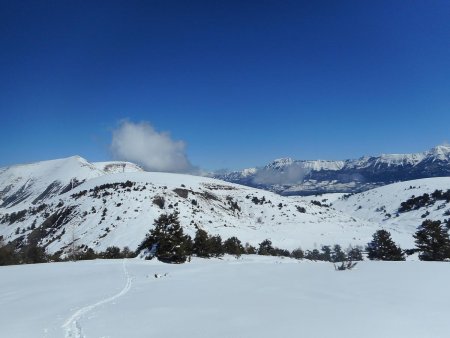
{"x":89,"y":254}
{"x":215,"y":246}
{"x":354,"y":254}
{"x":326,"y":253}
{"x":168,"y":238}
{"x":201,"y":247}
{"x":112,"y":252}
{"x":432,"y":240}
{"x":266,"y":248}
{"x":313,"y":255}
{"x":297,"y":253}
{"x":207,"y":246}
{"x":7,"y":255}
{"x":33,"y":253}
{"x":383,"y":248}
{"x":338,"y":255}
{"x":249,"y":249}
{"x":233,"y":246}
{"x":126,"y":253}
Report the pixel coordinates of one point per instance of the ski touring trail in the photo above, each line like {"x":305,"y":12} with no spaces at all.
{"x":72,"y":326}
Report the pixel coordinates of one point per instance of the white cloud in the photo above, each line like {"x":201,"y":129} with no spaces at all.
{"x":154,"y":151}
{"x":290,"y":175}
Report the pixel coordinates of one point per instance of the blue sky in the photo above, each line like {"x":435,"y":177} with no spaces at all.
{"x":240,"y":82}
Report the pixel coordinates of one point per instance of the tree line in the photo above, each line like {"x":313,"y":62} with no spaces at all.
{"x":32,"y":253}
{"x":168,"y":243}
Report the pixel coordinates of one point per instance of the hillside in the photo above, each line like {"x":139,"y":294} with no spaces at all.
{"x":97,"y":205}
{"x":383,"y":205}
{"x":119,"y":210}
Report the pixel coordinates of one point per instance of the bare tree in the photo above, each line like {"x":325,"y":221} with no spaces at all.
{"x":73,"y":249}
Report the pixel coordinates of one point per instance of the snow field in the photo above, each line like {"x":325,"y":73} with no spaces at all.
{"x":251,"y":297}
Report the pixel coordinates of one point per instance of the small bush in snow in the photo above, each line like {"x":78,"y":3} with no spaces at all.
{"x":345,"y":265}
{"x":354,"y":254}
{"x":159,"y":201}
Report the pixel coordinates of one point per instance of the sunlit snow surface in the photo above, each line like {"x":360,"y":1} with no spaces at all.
{"x":250,"y":297}
{"x":124,"y":216}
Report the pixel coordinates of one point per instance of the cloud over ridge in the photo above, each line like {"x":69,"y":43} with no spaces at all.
{"x":142,"y":144}
{"x":292,"y":174}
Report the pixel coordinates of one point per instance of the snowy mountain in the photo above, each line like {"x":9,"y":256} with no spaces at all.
{"x":298,"y":177}
{"x":22,"y":185}
{"x":106,"y":207}
{"x":112,"y":203}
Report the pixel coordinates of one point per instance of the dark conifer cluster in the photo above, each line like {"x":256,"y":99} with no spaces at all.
{"x":431,"y":238}
{"x":417,"y":202}
{"x":432,"y":243}
{"x":168,"y":243}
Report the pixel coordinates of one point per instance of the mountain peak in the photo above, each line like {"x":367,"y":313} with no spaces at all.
{"x":113,"y":167}
{"x":440,"y":152}
{"x":283,"y":161}
{"x":348,"y":176}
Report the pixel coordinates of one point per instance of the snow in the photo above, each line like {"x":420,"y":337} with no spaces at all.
{"x":380,"y":206}
{"x":122,"y":217}
{"x":250,"y":297}
{"x":114,"y":167}
{"x":129,"y":215}
{"x":316,"y":165}
{"x":249,"y":172}
{"x":29,"y":181}
{"x":440,"y":152}
{"x":336,"y":174}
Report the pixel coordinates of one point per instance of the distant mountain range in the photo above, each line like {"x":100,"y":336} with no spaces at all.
{"x":302,"y":177}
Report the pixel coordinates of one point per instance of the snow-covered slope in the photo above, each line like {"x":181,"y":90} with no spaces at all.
{"x":382,"y":205}
{"x":299,"y":177}
{"x":104,"y":204}
{"x":250,"y":297}
{"x":120,"y":209}
{"x":114,"y":167}
{"x":32,"y":183}
{"x":22,"y":185}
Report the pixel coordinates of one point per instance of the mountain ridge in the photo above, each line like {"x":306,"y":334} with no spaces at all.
{"x":59,"y":202}
{"x":287,"y":176}
{"x":35,"y":182}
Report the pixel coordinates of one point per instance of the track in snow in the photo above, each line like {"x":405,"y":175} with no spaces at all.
{"x":72,"y":325}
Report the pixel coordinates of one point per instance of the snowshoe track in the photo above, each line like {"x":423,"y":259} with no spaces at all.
{"x":72,"y":326}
